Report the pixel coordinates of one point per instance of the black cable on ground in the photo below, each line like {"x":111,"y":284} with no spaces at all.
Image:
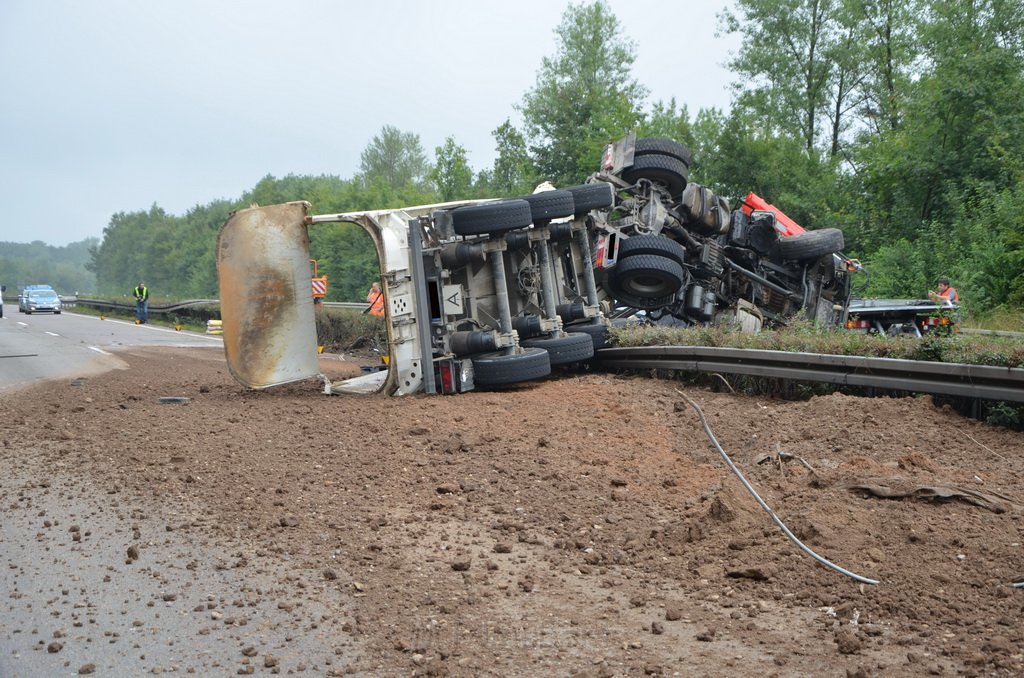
{"x":768,"y":510}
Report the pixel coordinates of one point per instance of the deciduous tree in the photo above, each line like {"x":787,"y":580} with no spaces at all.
{"x":396,"y":157}
{"x":452,"y":176}
{"x":584,"y":97}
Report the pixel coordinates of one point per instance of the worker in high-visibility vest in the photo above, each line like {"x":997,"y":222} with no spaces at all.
{"x":141,"y":303}
{"x":375,"y":298}
{"x":945,"y":293}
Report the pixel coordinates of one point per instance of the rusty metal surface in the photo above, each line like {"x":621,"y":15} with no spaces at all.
{"x":266,"y":306}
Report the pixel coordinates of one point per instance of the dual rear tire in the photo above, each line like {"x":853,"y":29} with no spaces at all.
{"x":648,"y":271}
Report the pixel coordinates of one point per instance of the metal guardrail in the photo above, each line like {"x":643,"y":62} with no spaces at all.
{"x":153,"y":308}
{"x":170,"y":308}
{"x":992,"y":333}
{"x":955,"y":379}
{"x":359,"y":306}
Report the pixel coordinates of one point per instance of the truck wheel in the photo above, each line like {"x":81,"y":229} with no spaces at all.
{"x":812,"y":244}
{"x":548,"y":205}
{"x":664,"y":169}
{"x":598,"y":333}
{"x":491,"y":217}
{"x":498,"y":369}
{"x":663,"y":146}
{"x":595,"y":196}
{"x":651,"y":244}
{"x":647,"y":276}
{"x":569,"y":348}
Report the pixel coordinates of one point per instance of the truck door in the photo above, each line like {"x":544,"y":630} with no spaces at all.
{"x":266,"y":306}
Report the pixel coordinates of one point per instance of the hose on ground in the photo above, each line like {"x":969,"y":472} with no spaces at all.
{"x":764,"y":505}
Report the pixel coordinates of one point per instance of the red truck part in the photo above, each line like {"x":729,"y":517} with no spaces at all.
{"x":755,"y":202}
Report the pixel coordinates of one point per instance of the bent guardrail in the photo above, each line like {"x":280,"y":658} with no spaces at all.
{"x":986,"y":382}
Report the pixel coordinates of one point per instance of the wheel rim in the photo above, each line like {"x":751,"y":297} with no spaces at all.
{"x":648,"y":285}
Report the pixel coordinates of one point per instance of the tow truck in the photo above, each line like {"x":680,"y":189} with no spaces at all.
{"x":902,"y":317}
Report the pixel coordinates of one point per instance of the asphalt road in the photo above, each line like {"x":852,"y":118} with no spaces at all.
{"x":71,"y":604}
{"x":44,"y":346}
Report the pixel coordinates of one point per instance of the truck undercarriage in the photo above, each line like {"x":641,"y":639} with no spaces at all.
{"x":491,"y":293}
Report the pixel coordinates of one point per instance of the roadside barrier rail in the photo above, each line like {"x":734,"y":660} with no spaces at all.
{"x":954,"y":379}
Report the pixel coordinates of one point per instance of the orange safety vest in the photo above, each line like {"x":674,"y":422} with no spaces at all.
{"x":951,"y":295}
{"x":377,"y":304}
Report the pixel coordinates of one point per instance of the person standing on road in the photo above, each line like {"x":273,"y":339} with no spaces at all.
{"x":141,"y":303}
{"x":375,"y":298}
{"x":945,"y":293}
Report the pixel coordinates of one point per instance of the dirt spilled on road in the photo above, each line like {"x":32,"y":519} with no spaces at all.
{"x":582,"y":525}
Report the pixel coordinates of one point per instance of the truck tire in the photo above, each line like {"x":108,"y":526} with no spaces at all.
{"x":549,"y":205}
{"x":651,"y":244}
{"x":498,"y":369}
{"x":595,"y":196}
{"x":664,"y":169}
{"x":663,"y":146}
{"x":569,"y":348}
{"x":491,"y":217}
{"x":812,"y":244}
{"x":647,"y":276}
{"x":598,"y":333}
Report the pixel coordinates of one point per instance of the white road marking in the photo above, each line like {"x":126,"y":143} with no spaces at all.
{"x":53,"y":334}
{"x":100,"y":350}
{"x":23,"y":324}
{"x":154,"y":328}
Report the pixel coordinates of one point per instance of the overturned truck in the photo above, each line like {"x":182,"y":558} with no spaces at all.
{"x":489,"y":293}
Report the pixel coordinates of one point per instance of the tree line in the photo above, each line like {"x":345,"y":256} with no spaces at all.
{"x":37,"y":263}
{"x":897,"y":121}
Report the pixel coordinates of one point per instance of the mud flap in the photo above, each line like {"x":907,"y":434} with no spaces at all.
{"x":266,"y":305}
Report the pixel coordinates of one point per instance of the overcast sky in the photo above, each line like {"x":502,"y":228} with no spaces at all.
{"x":113,"y":105}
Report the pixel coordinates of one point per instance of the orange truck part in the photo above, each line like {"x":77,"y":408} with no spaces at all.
{"x":785,"y":225}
